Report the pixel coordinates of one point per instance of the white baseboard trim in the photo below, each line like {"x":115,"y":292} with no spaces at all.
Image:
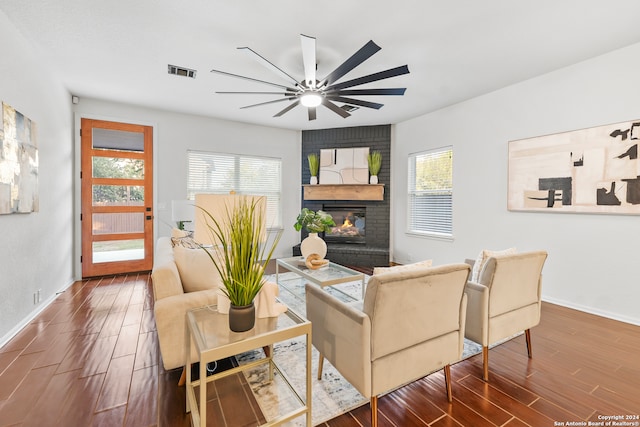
{"x":591,"y":310}
{"x":16,"y":329}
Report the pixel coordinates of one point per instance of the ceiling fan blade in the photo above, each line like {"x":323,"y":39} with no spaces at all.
{"x":333,"y":107}
{"x":253,"y":80}
{"x":268,"y":64}
{"x":312,"y":113}
{"x":393,"y":72}
{"x":257,"y":93}
{"x":390,"y":91}
{"x":356,"y":59}
{"x":268,"y":102}
{"x":290,"y":107}
{"x":309,"y":60}
{"x":353,"y":101}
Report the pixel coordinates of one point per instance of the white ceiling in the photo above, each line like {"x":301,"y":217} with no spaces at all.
{"x":118,"y":50}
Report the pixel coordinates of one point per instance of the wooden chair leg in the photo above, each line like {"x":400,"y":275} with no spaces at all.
{"x":485,"y":363}
{"x":527,"y":334}
{"x":447,"y":382}
{"x":374,"y":411}
{"x":183,"y":377}
{"x":320,"y":363}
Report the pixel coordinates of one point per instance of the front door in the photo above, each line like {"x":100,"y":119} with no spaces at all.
{"x":117,"y":198}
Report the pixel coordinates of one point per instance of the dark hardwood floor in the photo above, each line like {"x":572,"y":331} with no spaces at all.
{"x":91,"y":359}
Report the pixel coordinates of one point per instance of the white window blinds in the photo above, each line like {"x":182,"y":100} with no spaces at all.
{"x":220,"y":173}
{"x":430,"y":192}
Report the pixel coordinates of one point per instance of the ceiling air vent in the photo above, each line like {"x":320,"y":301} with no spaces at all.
{"x":181,"y":71}
{"x":349,"y":108}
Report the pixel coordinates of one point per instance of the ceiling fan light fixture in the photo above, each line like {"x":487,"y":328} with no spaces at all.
{"x":311,"y":92}
{"x":311,"y":99}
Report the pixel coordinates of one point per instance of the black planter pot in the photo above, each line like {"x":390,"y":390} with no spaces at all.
{"x":242,"y":318}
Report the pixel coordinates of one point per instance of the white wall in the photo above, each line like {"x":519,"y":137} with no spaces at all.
{"x":593,"y":259}
{"x":176,"y":133}
{"x":36,"y":248}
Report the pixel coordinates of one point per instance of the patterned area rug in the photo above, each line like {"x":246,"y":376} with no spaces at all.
{"x":331,"y":396}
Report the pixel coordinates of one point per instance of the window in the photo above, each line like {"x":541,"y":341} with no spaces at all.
{"x":430,"y":192}
{"x":220,"y":173}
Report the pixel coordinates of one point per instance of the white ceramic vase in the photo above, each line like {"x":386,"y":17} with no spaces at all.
{"x":313,"y":245}
{"x":313,"y":180}
{"x":373,"y":179}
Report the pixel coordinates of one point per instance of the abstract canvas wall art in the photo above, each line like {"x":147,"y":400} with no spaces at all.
{"x":594,"y":170}
{"x":344,"y":166}
{"x":18,"y":163}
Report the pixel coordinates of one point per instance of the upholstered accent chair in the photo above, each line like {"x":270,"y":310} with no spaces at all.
{"x":505,"y":300}
{"x":410,"y":324}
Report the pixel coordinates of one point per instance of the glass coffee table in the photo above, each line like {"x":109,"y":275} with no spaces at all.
{"x":328,"y":275}
{"x":209,"y":332}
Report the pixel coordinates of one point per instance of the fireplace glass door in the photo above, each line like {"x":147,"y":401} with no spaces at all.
{"x":350,"y":225}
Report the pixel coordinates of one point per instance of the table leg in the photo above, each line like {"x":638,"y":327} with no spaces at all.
{"x":183,"y":377}
{"x":187,"y":365}
{"x":203,"y":393}
{"x":270,"y":357}
{"x":309,"y":399}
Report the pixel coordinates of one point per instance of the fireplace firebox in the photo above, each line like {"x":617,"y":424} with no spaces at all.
{"x":350,"y":224}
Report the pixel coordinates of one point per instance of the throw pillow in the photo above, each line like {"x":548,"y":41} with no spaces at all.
{"x":405,"y":267}
{"x":185,"y":242}
{"x":196,"y":269}
{"x":175,"y":232}
{"x":482,"y":258}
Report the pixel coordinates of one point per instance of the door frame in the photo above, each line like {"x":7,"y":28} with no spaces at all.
{"x":77,"y":182}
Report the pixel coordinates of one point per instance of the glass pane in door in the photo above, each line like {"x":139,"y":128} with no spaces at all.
{"x":116,"y":167}
{"x":118,"y":195}
{"x":118,"y":250}
{"x":117,"y":223}
{"x":121,"y":140}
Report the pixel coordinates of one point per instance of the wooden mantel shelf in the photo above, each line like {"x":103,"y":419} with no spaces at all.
{"x":343,"y":192}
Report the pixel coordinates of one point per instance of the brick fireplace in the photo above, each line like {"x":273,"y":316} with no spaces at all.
{"x":372,"y":248}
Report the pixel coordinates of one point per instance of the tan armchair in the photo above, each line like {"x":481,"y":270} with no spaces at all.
{"x":410,"y":324}
{"x":505,"y":301}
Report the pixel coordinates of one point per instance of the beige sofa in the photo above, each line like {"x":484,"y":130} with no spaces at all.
{"x":183,"y":278}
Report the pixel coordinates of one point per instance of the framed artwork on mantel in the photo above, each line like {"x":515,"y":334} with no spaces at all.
{"x":594,"y":170}
{"x":18,"y":163}
{"x":344,"y":166}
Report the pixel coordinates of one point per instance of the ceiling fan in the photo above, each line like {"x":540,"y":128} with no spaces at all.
{"x":312,"y":92}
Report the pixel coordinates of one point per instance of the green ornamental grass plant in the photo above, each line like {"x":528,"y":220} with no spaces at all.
{"x":243,"y":252}
{"x":374,"y":160}
{"x":314,"y":163}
